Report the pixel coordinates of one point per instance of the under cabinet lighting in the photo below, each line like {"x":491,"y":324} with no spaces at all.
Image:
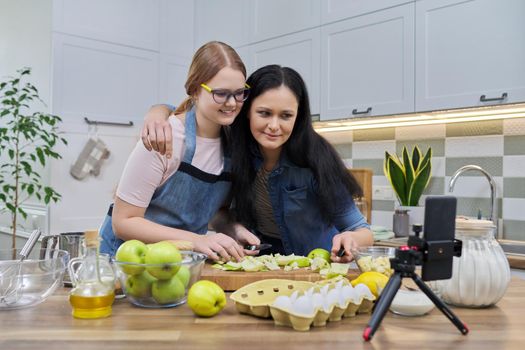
{"x":437,"y":117}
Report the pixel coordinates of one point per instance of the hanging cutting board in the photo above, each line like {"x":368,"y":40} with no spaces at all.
{"x":233,"y":280}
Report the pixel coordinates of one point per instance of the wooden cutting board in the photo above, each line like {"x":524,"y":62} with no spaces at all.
{"x":233,"y":280}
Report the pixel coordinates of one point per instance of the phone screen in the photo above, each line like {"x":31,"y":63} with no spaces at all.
{"x":438,"y":232}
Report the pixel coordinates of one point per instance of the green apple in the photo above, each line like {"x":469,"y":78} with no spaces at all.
{"x":167,"y":256}
{"x":206,"y":298}
{"x":184,"y":275}
{"x":320,"y":253}
{"x":167,"y":291}
{"x":132,"y":251}
{"x":140,"y":285}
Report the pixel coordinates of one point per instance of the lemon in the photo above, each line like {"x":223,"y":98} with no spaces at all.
{"x":375,"y":281}
{"x":320,"y":253}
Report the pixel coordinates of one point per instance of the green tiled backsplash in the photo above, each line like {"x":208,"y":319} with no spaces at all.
{"x":498,"y":146}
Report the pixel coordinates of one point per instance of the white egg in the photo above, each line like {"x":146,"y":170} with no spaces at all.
{"x":310,"y":292}
{"x":339,"y":284}
{"x":317,"y":300}
{"x":334,"y":297}
{"x":283,"y":302}
{"x":324,"y":290}
{"x":363,"y":290}
{"x":303,"y":306}
{"x":348,"y":292}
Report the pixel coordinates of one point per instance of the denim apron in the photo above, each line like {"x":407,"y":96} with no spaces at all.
{"x":187,"y":200}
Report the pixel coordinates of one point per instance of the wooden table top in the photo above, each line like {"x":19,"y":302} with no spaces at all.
{"x":51,"y":326}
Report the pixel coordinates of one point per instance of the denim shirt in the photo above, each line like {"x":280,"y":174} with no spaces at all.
{"x":293,"y":194}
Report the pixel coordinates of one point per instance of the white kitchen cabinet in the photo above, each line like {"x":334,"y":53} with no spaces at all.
{"x":468,"y":51}
{"x":134,"y":23}
{"x":274,"y":18}
{"x":176,"y":28}
{"x":225,"y":20}
{"x":335,"y":10}
{"x":300,"y":51}
{"x":367,"y":64}
{"x":173,"y":74}
{"x":102,"y":81}
{"x":105,"y":60}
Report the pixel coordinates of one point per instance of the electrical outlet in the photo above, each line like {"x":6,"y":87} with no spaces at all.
{"x":382,"y":193}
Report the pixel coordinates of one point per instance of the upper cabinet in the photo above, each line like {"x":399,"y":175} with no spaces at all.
{"x":273,"y":18}
{"x":299,"y":51}
{"x":225,"y":20}
{"x":133,"y":23}
{"x":469,"y":53}
{"x":384,"y":56}
{"x":335,"y":10}
{"x":367,"y":64}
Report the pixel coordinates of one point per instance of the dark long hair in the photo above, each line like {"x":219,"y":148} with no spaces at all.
{"x":305,"y":148}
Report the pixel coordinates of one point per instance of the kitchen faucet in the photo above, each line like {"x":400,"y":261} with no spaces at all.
{"x":493,"y":217}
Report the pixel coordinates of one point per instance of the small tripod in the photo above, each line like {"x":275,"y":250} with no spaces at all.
{"x":404,"y":265}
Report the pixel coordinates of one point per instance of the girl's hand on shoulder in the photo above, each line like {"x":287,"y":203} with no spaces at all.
{"x":346,"y":241}
{"x":156,"y":132}
{"x":219,"y":246}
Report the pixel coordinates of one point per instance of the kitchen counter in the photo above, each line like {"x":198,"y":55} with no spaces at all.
{"x":51,"y":326}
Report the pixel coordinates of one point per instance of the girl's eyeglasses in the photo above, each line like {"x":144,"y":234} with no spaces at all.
{"x":220,"y":96}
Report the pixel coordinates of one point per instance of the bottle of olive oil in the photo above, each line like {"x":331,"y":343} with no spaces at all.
{"x":91,"y":296}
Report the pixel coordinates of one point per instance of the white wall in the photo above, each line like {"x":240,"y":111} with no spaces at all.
{"x":25,"y":40}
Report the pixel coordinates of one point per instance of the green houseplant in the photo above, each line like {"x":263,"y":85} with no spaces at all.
{"x":27,"y":140}
{"x":408,"y":175}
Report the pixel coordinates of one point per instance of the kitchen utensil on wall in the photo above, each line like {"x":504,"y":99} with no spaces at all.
{"x":90,"y":159}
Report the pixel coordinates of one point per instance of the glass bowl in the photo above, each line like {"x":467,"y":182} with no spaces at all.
{"x":374,"y":259}
{"x":144,"y":290}
{"x":30,"y":282}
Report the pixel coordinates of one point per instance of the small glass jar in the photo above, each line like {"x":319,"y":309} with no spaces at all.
{"x":481,"y":274}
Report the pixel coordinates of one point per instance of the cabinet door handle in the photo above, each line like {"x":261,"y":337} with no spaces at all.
{"x":484,"y":98}
{"x":368,"y":110}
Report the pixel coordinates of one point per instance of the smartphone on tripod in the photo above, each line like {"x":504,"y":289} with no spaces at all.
{"x":438,"y":232}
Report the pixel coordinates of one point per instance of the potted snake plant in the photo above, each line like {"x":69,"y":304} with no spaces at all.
{"x":409,"y":176}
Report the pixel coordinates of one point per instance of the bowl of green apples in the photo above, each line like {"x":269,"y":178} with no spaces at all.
{"x":157,"y":275}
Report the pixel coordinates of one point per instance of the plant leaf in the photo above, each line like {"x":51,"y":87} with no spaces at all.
{"x":416,"y":158}
{"x":420,"y":183}
{"x":397,"y":179}
{"x":409,"y":170}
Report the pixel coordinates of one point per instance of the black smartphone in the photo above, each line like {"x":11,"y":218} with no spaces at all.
{"x":438,"y":232}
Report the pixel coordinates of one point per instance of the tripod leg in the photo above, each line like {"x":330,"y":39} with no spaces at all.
{"x":382,"y":305}
{"x":440,"y":305}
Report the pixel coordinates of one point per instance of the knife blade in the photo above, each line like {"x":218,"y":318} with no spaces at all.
{"x":261,"y":246}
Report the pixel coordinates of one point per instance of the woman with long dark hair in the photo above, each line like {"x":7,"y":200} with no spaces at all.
{"x":290,"y":185}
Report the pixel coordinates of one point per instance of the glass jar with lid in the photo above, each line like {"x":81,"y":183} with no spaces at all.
{"x":481,"y":274}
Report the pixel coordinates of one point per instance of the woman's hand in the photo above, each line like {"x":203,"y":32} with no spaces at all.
{"x":350,"y":240}
{"x":156,"y":132}
{"x":219,"y":246}
{"x":242,"y":235}
{"x":346,"y":241}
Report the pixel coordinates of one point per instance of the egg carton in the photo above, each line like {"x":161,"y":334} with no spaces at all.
{"x":301,"y":314}
{"x":265,"y":298}
{"x":254,"y":299}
